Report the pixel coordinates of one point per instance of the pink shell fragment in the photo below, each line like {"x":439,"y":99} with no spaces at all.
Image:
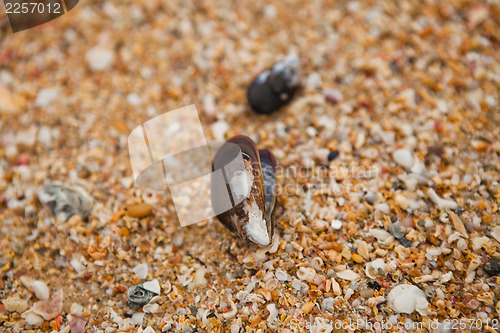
{"x":333,"y":95}
{"x":77,"y":324}
{"x":50,"y":308}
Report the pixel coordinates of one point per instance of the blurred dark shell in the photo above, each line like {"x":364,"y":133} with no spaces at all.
{"x":64,"y":201}
{"x":274,"y":87}
{"x":250,"y":215}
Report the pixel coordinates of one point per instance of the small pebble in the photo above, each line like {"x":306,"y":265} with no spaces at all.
{"x":151,"y":308}
{"x":99,"y":58}
{"x":333,"y":95}
{"x":328,"y":304}
{"x":138,"y":317}
{"x":8,"y":102}
{"x":357,"y":258}
{"x":219,"y":129}
{"x":363,"y":250}
{"x":407,"y":222}
{"x":76,"y":309}
{"x":375,"y":268}
{"x":401,"y":201}
{"x":348,"y":275}
{"x":403,"y":157}
{"x":371,"y":197}
{"x":333,"y":155}
{"x":15,"y":304}
{"x":307,"y":307}
{"x":492,"y":267}
{"x":374,"y":284}
{"x":442,"y":203}
{"x":148,"y":329}
{"x":397,"y":230}
{"x":139,"y":210}
{"x":458,"y":224}
{"x":383,"y":207}
{"x":46,"y":96}
{"x":382,"y":235}
{"x":336,"y":224}
{"x":405,"y":242}
{"x":270,"y":11}
{"x":477,"y":14}
{"x":141,"y":270}
{"x":313,"y":81}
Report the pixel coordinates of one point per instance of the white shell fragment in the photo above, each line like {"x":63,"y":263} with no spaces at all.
{"x":406,"y":298}
{"x":281,"y":275}
{"x":141,"y":270}
{"x":375,"y":268}
{"x":403,"y":157}
{"x":39,"y":288}
{"x":328,"y":304}
{"x":383,"y":236}
{"x":138,"y":317}
{"x":442,"y":203}
{"x":273,"y":313}
{"x":432,"y":253}
{"x":15,"y":304}
{"x":307,"y":273}
{"x":348,"y":275}
{"x":336,"y":224}
{"x":76,"y":309}
{"x":496,"y":233}
{"x":32,"y":318}
{"x":383,"y":207}
{"x":152,"y":286}
{"x":151,"y":308}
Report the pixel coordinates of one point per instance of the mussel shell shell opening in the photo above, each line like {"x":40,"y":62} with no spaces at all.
{"x":268,"y":166}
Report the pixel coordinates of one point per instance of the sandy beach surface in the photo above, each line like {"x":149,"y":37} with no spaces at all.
{"x":387,"y":216}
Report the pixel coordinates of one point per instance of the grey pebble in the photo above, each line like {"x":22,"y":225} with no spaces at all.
{"x":492,"y":267}
{"x":397,"y":230}
{"x":371,"y":197}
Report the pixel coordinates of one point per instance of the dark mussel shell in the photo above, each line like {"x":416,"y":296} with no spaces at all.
{"x":274,"y":87}
{"x":246,"y":170}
